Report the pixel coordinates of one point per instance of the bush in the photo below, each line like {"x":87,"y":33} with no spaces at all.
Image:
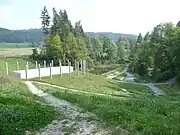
{"x":178,"y":78}
{"x":164,"y":76}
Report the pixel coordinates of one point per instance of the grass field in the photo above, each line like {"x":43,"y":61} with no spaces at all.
{"x":20,"y":111}
{"x":14,"y":45}
{"x":98,"y":84}
{"x":12,"y":64}
{"x":142,"y":116}
{"x":10,"y":52}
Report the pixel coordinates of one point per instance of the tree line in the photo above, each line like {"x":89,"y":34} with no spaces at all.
{"x":34,"y":36}
{"x":157,"y":54}
{"x":64,"y":41}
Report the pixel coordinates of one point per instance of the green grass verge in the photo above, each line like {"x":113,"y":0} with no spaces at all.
{"x":148,"y":116}
{"x":12,"y":64}
{"x":20,"y":111}
{"x":120,"y":77}
{"x":98,"y":84}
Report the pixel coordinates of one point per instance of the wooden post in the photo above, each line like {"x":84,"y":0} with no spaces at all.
{"x":7,"y":71}
{"x":78,"y":68}
{"x":81,"y":66}
{"x":50,"y":70}
{"x":26,"y":71}
{"x":36,"y":64}
{"x":17,"y":65}
{"x":75,"y":66}
{"x":52,"y":64}
{"x":69,"y":63}
{"x":84,"y":66}
{"x":27,"y":64}
{"x":60,"y":68}
{"x":39,"y":69}
{"x":44,"y":64}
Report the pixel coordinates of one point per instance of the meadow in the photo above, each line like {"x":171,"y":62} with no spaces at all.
{"x":135,"y":111}
{"x":10,"y":52}
{"x":137,"y":115}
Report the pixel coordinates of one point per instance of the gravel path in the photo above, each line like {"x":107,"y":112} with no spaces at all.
{"x":73,"y":121}
{"x":130,"y":79}
{"x":155,"y":89}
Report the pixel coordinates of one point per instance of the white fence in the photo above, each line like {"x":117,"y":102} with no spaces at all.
{"x":42,"y":72}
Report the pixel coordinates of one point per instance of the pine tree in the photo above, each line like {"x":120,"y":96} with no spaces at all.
{"x":178,"y":24}
{"x":45,"y":20}
{"x":139,"y":38}
{"x":55,"y":29}
{"x":147,"y":37}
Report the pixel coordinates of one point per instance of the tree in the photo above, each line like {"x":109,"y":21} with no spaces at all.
{"x":178,"y":24}
{"x":55,"y":29}
{"x":147,"y":37}
{"x":45,"y":20}
{"x":53,"y":47}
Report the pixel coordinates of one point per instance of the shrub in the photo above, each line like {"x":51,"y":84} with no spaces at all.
{"x":164,"y":76}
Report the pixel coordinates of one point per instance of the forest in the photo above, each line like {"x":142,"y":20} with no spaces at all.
{"x":65,"y":42}
{"x":154,"y":56}
{"x":157,"y":54}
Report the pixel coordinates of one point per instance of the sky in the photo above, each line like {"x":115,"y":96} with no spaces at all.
{"x":120,"y":16}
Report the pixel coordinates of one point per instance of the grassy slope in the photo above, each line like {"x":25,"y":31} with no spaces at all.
{"x":148,"y":116}
{"x":12,"y":64}
{"x":20,"y":111}
{"x":97,"y":83}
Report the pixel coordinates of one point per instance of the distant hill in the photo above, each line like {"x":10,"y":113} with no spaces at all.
{"x":21,"y":36}
{"x":36,"y":35}
{"x":113,"y":36}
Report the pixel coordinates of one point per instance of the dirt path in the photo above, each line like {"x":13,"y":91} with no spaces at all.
{"x":155,"y":89}
{"x":130,"y":78}
{"x":72,"y":121}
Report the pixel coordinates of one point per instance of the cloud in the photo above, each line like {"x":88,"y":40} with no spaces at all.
{"x":6,"y":15}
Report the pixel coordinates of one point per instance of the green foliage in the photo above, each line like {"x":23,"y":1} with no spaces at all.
{"x":178,"y":78}
{"x":164,"y":76}
{"x":76,"y":45}
{"x":159,"y":51}
{"x":53,"y":47}
{"x":45,"y":20}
